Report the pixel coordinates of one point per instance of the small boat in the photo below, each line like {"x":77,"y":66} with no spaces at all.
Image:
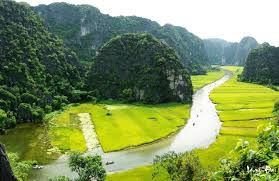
{"x":37,"y":167}
{"x":109,"y":162}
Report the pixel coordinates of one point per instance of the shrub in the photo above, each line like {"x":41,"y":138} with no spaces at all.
{"x":88,"y":168}
{"x":21,"y":169}
{"x":249,"y":163}
{"x":180,"y":167}
{"x":24,"y":112}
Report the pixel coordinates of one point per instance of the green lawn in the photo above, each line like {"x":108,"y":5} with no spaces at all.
{"x":199,"y":81}
{"x":127,"y":125}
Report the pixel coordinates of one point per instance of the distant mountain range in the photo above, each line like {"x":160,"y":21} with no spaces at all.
{"x":222,"y":52}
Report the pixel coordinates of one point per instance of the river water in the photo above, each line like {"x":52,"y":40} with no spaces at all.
{"x":200,"y":131}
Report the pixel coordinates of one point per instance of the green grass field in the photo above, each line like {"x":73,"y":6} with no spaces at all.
{"x":199,"y":81}
{"x":126,"y":125}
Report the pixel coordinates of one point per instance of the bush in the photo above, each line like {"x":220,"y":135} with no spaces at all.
{"x":88,"y":168}
{"x":29,"y":98}
{"x":7,"y":120}
{"x":24,"y":112}
{"x":253,"y":163}
{"x":59,"y":102}
{"x":180,"y":167}
{"x":21,"y":169}
{"x":3,"y":118}
{"x":4,"y":105}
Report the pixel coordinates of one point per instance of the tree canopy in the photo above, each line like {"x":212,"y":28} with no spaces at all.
{"x":262,"y":66}
{"x":35,"y":68}
{"x":138,"y":67}
{"x":85,"y":29}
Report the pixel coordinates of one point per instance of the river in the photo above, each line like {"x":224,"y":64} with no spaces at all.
{"x":200,"y":131}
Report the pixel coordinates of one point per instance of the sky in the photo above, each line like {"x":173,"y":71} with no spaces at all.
{"x":227,"y":19}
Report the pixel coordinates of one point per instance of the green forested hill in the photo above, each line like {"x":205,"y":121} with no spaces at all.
{"x":138,"y":67}
{"x":222,"y":52}
{"x":85,"y":29}
{"x":262,"y":65}
{"x":37,"y":73}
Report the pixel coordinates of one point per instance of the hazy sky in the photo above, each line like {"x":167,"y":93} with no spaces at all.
{"x":227,"y":19}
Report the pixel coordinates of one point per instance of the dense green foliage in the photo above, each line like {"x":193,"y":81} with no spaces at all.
{"x":262,"y":66}
{"x":249,"y":163}
{"x":20,"y":169}
{"x":87,"y":168}
{"x":137,"y":67}
{"x":85,"y":29}
{"x":222,"y":52}
{"x":37,"y":73}
{"x":180,"y":167}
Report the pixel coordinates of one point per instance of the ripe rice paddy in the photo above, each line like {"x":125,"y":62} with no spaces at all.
{"x":120,"y":126}
{"x":200,"y":81}
{"x":242,"y":107}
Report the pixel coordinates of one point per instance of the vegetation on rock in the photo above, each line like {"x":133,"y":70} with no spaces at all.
{"x":138,"y":67}
{"x":37,"y":74}
{"x":262,"y":66}
{"x":85,"y":29}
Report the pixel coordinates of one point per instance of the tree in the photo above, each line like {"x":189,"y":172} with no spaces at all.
{"x":88,"y":167}
{"x":180,"y":167}
{"x":3,"y":118}
{"x":249,"y":163}
{"x":24,"y":112}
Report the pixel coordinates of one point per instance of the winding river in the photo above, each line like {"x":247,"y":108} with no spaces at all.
{"x":200,"y":131}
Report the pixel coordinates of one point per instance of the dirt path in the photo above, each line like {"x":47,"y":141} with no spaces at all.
{"x":88,"y":131}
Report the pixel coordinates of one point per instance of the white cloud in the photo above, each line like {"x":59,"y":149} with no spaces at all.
{"x":227,"y":19}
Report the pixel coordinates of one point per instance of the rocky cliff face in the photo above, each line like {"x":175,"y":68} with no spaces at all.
{"x":85,"y":29}
{"x":6,"y":173}
{"x":138,"y":67}
{"x":222,"y":52}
